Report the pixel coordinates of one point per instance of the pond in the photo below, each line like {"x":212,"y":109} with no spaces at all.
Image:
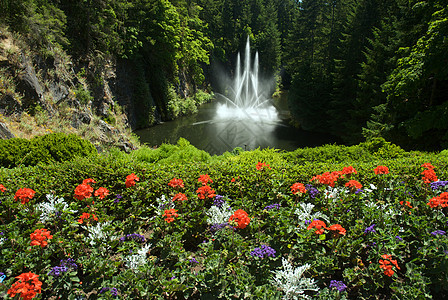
{"x":217,"y":130}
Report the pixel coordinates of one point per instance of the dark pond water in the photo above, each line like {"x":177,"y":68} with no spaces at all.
{"x":217,"y":129}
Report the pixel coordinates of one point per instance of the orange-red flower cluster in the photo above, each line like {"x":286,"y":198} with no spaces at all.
{"x":429,"y":175}
{"x":386,"y":264}
{"x":406,"y":203}
{"x":239,"y":219}
{"x":180,"y":197}
{"x":441,"y":200}
{"x":130,"y":180}
{"x":39,"y":237}
{"x":205,"y":191}
{"x":353,"y":184}
{"x":176,"y":183}
{"x":298,"y":188}
{"x":261,"y":165}
{"x":320,"y":227}
{"x":381,"y":170}
{"x":86,"y":216}
{"x":24,"y":194}
{"x":327,"y":178}
{"x":2,"y":188}
{"x":348,"y":170}
{"x":84,"y":190}
{"x":101,"y":192}
{"x":28,"y":286}
{"x":170,"y":214}
{"x":205,"y":179}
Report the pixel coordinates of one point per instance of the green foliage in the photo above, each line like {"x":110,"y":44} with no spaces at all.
{"x":82,"y":94}
{"x":54,"y":147}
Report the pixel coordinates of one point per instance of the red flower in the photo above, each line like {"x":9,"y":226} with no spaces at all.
{"x":2,"y":188}
{"x":298,"y":188}
{"x":429,"y":176}
{"x":205,"y":179}
{"x":205,"y":191}
{"x":83,"y":191}
{"x":337,"y":227}
{"x":381,"y":170}
{"x":319,"y":225}
{"x":441,"y":200}
{"x":407,"y":203}
{"x":86,"y":216}
{"x":170,"y":214}
{"x":239,"y":219}
{"x":353,"y":184}
{"x":176,"y":183}
{"x":24,"y":194}
{"x":101,"y":192}
{"x":386,"y":264}
{"x":130,"y":180}
{"x":27,"y":286}
{"x":180,"y":197}
{"x":39,"y":237}
{"x":88,"y":181}
{"x":327,"y":178}
{"x":348,"y":170}
{"x":427,"y":166}
{"x":261,"y":165}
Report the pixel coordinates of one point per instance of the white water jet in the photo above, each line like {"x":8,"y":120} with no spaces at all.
{"x":247,"y":99}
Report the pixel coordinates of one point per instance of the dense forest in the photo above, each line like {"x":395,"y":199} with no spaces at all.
{"x":356,"y":69}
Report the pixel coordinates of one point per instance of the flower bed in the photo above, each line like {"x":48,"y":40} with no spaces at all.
{"x":252,"y":226}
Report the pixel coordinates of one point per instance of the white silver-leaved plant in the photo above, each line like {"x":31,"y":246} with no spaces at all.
{"x":304,"y":213}
{"x":135,"y":260}
{"x":219,"y":215}
{"x":51,"y":207}
{"x":99,"y":233}
{"x":335,"y":192}
{"x":292,"y":282}
{"x":163,"y":203}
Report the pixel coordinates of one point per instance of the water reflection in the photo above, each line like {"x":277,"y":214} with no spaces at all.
{"x":216,"y":130}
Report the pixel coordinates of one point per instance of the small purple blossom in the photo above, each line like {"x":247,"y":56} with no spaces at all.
{"x":219,"y":201}
{"x":194,"y":261}
{"x":370,"y":229}
{"x":113,"y":291}
{"x":118,"y":197}
{"x":339,"y":285}
{"x":358,"y":191}
{"x":273,"y":206}
{"x":133,"y":236}
{"x":64,"y":266}
{"x":399,"y":238}
{"x":311,"y":190}
{"x":218,"y":227}
{"x":438,"y":184}
{"x":438,"y":232}
{"x":307,"y":222}
{"x":263,"y":251}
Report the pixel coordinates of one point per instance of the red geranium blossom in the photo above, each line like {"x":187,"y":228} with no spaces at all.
{"x":86,"y":216}
{"x":27,"y":286}
{"x":176,"y":183}
{"x":101,"y":192}
{"x":407,"y":203}
{"x":88,"y":181}
{"x":338,"y":228}
{"x":205,"y":179}
{"x":327,"y":178}
{"x":427,"y":166}
{"x":319,"y":225}
{"x":180,"y":197}
{"x":39,"y":237}
{"x":205,"y":191}
{"x":381,"y":170}
{"x":298,"y":188}
{"x":348,"y":170}
{"x":83,"y":191}
{"x":130,"y":180}
{"x":353,"y":184}
{"x":2,"y":188}
{"x":386,"y":264}
{"x":441,"y":200}
{"x":261,"y":165}
{"x":170,"y":214}
{"x":239,"y":219}
{"x":429,"y":176}
{"x":24,"y":194}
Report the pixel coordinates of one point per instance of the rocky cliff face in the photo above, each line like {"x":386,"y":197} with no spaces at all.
{"x":44,"y":93}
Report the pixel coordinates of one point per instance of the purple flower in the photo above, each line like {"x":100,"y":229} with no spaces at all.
{"x":272,"y":206}
{"x":358,"y":191}
{"x":263,"y":251}
{"x":399,"y":238}
{"x":370,"y":229}
{"x":194,"y":261}
{"x":307,"y":222}
{"x":312,"y":191}
{"x":218,"y":227}
{"x":438,"y":184}
{"x":219,"y":201}
{"x":438,"y":232}
{"x":133,"y":236}
{"x":69,"y":262}
{"x":113,"y":291}
{"x":64,"y":266}
{"x":339,"y":285}
{"x":118,"y":197}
